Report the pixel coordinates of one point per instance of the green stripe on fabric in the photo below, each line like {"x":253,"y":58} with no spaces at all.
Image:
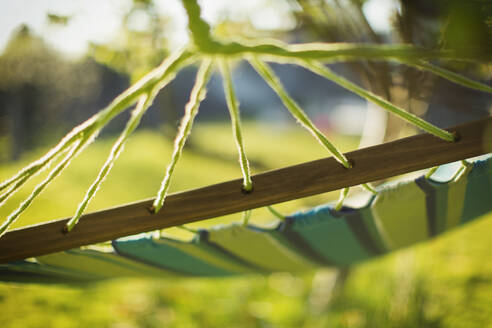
{"x":478,"y":196}
{"x":286,"y":235}
{"x":7,"y":275}
{"x":330,"y":236}
{"x":209,"y":254}
{"x":441,"y":199}
{"x":400,"y":215}
{"x":449,"y":197}
{"x":100,"y":264}
{"x":165,"y":255}
{"x":357,"y":224}
{"x":27,"y":271}
{"x":372,"y":229}
{"x":260,"y":248}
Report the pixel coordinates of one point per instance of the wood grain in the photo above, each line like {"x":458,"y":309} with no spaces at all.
{"x":369,"y":164}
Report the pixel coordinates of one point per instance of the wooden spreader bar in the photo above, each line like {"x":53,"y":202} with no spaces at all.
{"x":369,"y":164}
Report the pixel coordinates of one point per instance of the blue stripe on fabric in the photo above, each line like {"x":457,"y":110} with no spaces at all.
{"x":478,"y":196}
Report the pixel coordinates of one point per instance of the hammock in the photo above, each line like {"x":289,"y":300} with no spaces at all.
{"x":399,"y":216}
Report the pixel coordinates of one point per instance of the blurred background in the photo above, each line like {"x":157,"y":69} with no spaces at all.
{"x":62,"y":61}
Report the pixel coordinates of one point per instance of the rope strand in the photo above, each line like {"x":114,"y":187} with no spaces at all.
{"x":343,"y":194}
{"x":191,"y":109}
{"x":276,"y":213}
{"x":246,"y":217}
{"x":321,"y":70}
{"x":40,"y":187}
{"x":269,"y":76}
{"x":140,"y":109}
{"x":449,"y":75}
{"x":233,"y":106}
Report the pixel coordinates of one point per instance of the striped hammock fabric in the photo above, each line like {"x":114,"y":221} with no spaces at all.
{"x":398,"y":216}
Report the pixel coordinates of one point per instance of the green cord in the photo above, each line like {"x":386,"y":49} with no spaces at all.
{"x":321,"y":70}
{"x":191,"y":109}
{"x":81,"y":136}
{"x":369,"y":188}
{"x":269,"y":76}
{"x":73,"y":151}
{"x":246,"y":217}
{"x":464,"y":168}
{"x":36,"y":166}
{"x":449,"y":75}
{"x":13,"y":188}
{"x":343,"y":194}
{"x":202,"y":39}
{"x":140,"y":109}
{"x":276,"y":213}
{"x":431,"y":172}
{"x":98,"y":120}
{"x":233,"y":106}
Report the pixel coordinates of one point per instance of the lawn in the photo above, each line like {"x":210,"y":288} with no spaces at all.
{"x":446,"y":282}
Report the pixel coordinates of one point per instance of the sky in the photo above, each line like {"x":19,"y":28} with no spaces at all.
{"x":98,"y":21}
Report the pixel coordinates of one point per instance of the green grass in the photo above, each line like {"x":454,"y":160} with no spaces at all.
{"x":443,"y":283}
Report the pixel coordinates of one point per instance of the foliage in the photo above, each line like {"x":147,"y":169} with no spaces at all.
{"x":43,"y":94}
{"x":137,"y":49}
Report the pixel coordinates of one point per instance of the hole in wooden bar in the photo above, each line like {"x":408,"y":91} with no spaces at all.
{"x":457,"y":136}
{"x":351,"y":164}
{"x":245,"y":192}
{"x":151,"y":209}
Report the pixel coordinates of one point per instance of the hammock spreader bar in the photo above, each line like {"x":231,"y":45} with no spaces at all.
{"x":369,"y":164}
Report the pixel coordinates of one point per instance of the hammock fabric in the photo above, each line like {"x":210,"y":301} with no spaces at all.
{"x":398,"y":216}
